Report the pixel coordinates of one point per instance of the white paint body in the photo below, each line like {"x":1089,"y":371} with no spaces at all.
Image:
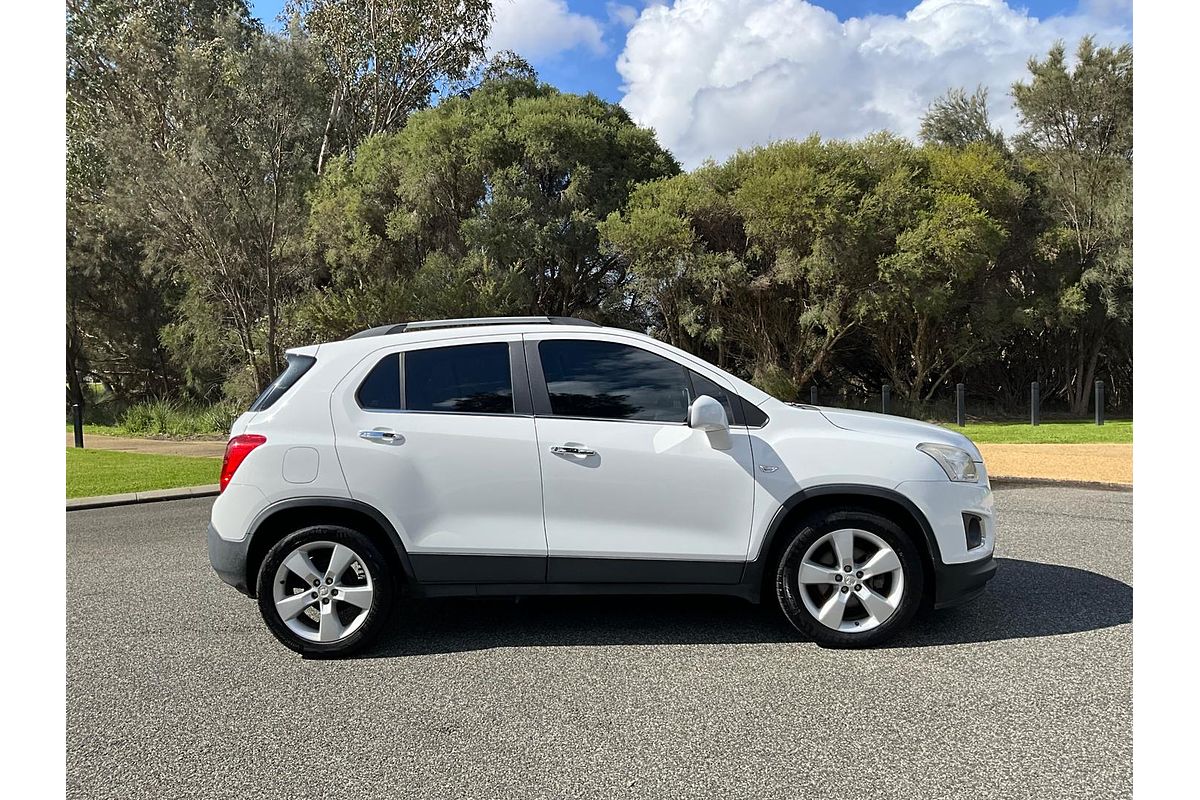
{"x":488,"y":484}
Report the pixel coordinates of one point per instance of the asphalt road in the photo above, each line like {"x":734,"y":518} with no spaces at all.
{"x":176,"y":689}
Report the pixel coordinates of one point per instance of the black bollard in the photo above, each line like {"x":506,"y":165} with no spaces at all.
{"x":887,"y":399}
{"x":1035,"y":404}
{"x":961,"y":392}
{"x":812,"y":395}
{"x":77,"y":414}
{"x":1099,"y":402}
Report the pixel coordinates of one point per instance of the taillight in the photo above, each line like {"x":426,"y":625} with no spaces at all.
{"x":235,"y":453}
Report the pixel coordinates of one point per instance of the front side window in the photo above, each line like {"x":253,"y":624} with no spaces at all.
{"x":606,"y":380}
{"x":471,"y":379}
{"x":702,"y":385}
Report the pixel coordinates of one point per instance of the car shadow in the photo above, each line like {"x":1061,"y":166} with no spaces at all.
{"x":1026,"y":599}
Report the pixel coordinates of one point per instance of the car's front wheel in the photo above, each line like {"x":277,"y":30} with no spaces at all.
{"x":849,"y":578}
{"x":325,"y":590}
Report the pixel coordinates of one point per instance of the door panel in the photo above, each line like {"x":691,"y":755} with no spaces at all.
{"x":645,"y":486}
{"x":456,"y":486}
{"x":650,"y":491}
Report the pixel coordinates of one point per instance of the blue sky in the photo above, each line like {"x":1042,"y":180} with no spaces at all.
{"x":712,"y":76}
{"x":583,"y":69}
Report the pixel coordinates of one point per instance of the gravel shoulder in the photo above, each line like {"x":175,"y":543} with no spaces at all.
{"x":176,"y":689}
{"x":1098,"y":463}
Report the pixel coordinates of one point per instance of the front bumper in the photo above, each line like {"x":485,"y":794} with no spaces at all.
{"x":228,"y":559}
{"x":960,"y":571}
{"x":955,"y":584}
{"x":943,"y":503}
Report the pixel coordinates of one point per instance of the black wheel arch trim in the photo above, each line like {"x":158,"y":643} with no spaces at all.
{"x":343,"y":504}
{"x":755,"y":568}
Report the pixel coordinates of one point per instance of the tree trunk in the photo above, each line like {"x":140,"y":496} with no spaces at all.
{"x":74,"y":378}
{"x":334,"y":109}
{"x":1089,"y":376}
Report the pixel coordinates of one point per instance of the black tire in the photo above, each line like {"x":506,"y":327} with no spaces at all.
{"x":809,"y":531}
{"x":383,"y":584}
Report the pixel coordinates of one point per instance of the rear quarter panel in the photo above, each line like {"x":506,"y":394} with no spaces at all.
{"x":298,"y":423}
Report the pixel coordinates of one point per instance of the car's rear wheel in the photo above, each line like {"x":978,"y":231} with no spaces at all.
{"x":325,"y":590}
{"x":849,"y":578}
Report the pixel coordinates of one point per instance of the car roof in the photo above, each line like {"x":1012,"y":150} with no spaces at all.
{"x":384,"y":336}
{"x":467,"y":322}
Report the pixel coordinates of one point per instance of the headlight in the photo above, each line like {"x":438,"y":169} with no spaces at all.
{"x":954,"y":460}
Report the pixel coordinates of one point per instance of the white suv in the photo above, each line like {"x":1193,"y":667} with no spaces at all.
{"x":548,"y":455}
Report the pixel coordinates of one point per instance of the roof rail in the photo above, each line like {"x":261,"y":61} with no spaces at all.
{"x":384,"y":330}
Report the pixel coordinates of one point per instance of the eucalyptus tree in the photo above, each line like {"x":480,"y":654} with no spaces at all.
{"x":491,"y":199}
{"x":121,"y":65}
{"x":939,"y":303}
{"x":388,"y":58}
{"x":222,"y":194}
{"x":1077,"y":135}
{"x":760,"y":262}
{"x":774,"y":262}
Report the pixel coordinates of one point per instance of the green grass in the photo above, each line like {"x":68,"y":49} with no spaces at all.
{"x":98,"y":472}
{"x":1081,"y":432}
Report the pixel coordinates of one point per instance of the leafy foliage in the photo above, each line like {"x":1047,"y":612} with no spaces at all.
{"x":958,"y":119}
{"x":770,"y":262}
{"x":168,"y":418}
{"x":1077,"y":136}
{"x":121,"y":68}
{"x":387,"y":58}
{"x":486,"y":204}
{"x":233,"y":192}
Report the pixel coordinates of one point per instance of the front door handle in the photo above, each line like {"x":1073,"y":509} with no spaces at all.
{"x":381,"y":436}
{"x":567,"y":450}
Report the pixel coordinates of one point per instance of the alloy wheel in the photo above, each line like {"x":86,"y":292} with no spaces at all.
{"x":851,"y":580}
{"x":323,"y":591}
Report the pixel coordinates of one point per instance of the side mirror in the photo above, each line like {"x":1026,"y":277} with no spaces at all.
{"x":708,"y":415}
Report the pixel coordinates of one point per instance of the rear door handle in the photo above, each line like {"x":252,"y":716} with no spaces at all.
{"x":381,"y":436}
{"x":562,"y":450}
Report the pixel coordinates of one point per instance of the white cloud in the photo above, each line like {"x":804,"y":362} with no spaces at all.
{"x":540,"y":28}
{"x":715,"y":75}
{"x":621,"y":14}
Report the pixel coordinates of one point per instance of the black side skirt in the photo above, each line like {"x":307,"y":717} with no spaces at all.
{"x":439,"y":568}
{"x":745,"y":591}
{"x":641,"y":570}
{"x":528,"y":572}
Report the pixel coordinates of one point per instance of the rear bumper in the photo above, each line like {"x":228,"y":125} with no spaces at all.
{"x":228,"y":559}
{"x":955,"y":584}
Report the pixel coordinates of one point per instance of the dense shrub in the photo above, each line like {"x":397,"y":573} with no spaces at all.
{"x":166,"y":418}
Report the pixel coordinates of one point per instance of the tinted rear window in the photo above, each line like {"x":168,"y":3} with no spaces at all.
{"x":296,"y":366}
{"x":380,"y":390}
{"x":473,"y":378}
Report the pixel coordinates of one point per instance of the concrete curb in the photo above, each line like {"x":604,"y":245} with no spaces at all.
{"x":1011,"y":482}
{"x":157,"y":496}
